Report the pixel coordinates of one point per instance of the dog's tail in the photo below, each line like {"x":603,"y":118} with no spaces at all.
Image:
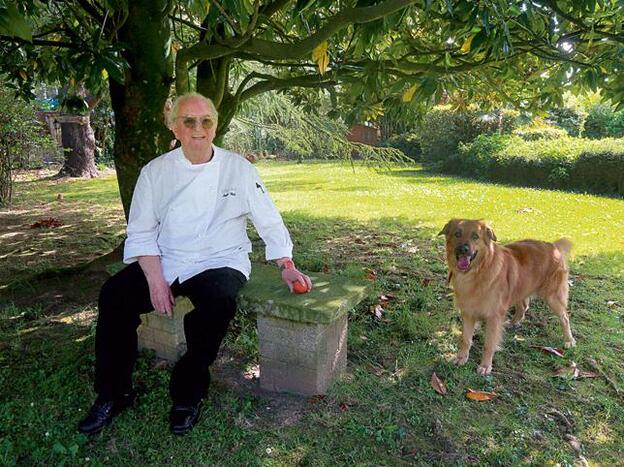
{"x":563,"y":245}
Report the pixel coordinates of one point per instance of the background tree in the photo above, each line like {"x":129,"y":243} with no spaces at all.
{"x":77,"y":138}
{"x":363,"y":51}
{"x":24,"y":142}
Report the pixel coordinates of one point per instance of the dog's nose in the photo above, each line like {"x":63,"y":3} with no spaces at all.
{"x":463,"y":249}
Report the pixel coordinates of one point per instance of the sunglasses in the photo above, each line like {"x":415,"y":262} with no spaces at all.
{"x":191,"y":122}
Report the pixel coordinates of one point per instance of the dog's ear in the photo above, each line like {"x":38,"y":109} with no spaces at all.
{"x":447,"y":228}
{"x":490,"y":233}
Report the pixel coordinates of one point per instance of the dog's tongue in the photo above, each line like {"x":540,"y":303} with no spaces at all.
{"x":463,"y":262}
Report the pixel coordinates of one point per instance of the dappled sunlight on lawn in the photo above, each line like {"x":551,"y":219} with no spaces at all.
{"x":87,"y":227}
{"x":93,"y":223}
{"x":411,"y":196}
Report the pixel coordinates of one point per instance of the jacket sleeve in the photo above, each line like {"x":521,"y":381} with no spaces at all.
{"x":142,"y":222}
{"x":267,"y":220}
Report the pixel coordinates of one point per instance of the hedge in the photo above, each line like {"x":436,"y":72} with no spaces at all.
{"x":444,"y":129}
{"x":564,"y":163}
{"x":533,"y":133}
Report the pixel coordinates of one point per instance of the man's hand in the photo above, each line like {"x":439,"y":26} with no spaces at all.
{"x":160,"y":292}
{"x":161,"y":297}
{"x":296,"y":281}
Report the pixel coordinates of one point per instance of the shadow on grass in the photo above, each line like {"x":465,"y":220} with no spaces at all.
{"x":425,"y":176}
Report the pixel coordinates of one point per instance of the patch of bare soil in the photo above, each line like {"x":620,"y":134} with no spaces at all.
{"x":274,"y":410}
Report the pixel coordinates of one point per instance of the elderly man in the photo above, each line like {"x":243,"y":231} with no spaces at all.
{"x":186,"y":236}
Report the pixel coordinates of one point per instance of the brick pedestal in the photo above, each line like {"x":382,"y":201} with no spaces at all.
{"x":302,"y":358}
{"x":164,"y":335}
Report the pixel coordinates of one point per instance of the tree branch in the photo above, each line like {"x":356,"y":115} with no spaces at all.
{"x":67,"y":45}
{"x":277,"y":50}
{"x":230,"y":21}
{"x":346,"y":17}
{"x":271,"y":83}
{"x":579,"y":22}
{"x":188,"y":23}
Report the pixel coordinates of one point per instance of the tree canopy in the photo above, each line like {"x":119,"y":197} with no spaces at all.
{"x":368,"y":54}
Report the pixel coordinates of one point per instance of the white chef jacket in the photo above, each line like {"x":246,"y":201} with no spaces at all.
{"x":194,"y":216}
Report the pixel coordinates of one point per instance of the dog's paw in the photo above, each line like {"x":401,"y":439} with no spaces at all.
{"x":570,"y":344}
{"x":460,"y":359}
{"x":484,"y":370}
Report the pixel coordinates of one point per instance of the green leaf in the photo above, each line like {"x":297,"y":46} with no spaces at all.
{"x":485,"y":20}
{"x":428,"y":88}
{"x":248,"y":7}
{"x":302,"y":5}
{"x":14,"y":24}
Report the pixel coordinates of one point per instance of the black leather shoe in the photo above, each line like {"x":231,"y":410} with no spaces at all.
{"x":183,"y":417}
{"x":102,"y":413}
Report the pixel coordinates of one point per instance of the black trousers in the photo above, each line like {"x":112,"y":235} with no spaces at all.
{"x":125,"y":296}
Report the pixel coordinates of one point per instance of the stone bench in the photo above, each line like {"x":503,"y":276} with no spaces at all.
{"x":302,"y":338}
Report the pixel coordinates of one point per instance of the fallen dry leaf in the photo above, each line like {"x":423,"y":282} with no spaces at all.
{"x":574,"y":442}
{"x":571,"y":371}
{"x":480,"y":395}
{"x":377,"y":310}
{"x":385,"y":298}
{"x":550,"y":350}
{"x":49,"y":223}
{"x":588,"y":374}
{"x":437,"y":384}
{"x":371,"y":275}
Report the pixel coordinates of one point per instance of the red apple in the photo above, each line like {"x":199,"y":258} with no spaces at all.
{"x":299,"y":288}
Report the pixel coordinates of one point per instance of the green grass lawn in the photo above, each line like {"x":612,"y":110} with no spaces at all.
{"x":381,"y":225}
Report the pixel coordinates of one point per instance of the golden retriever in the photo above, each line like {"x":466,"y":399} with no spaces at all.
{"x":487,"y":278}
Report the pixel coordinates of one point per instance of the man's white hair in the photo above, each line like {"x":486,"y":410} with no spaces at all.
{"x":173,"y":113}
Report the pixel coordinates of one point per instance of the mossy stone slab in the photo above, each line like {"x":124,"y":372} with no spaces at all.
{"x":265,"y":293}
{"x":330,"y":298}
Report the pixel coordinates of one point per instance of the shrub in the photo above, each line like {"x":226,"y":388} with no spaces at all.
{"x":443,"y":129}
{"x":409,"y":143}
{"x":571,"y":120}
{"x":571,"y":163}
{"x":598,"y":117}
{"x":533,"y":133}
{"x":615,"y":125}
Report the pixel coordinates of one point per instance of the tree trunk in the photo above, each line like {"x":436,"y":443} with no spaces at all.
{"x":6,"y":177}
{"x":78,"y":143}
{"x":140,"y":130}
{"x":213,"y":82}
